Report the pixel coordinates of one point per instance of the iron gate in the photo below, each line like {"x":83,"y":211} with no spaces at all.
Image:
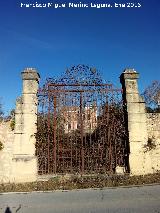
{"x":81,"y":125}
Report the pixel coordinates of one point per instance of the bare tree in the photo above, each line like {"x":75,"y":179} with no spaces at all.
{"x":152,"y":96}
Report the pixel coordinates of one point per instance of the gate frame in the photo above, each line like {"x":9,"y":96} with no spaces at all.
{"x":47,"y":90}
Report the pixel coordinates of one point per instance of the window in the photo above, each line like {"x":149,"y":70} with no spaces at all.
{"x":69,"y":126}
{"x":88,"y":116}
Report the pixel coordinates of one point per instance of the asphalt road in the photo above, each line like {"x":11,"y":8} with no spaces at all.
{"x":135,"y":199}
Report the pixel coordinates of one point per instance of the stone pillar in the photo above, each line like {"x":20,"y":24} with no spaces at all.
{"x":18,"y":129}
{"x":24,"y":159}
{"x":137,"y":128}
{"x":29,"y":96}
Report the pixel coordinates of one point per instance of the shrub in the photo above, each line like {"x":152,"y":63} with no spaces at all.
{"x":1,"y":145}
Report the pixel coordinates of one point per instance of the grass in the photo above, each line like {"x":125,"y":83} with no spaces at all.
{"x":83,"y":182}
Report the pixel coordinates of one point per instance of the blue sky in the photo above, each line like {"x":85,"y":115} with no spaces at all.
{"x":110,"y":39}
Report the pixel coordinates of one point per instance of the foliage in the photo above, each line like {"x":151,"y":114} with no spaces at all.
{"x":111,"y":126}
{"x":152,"y":110}
{"x":152,"y":97}
{"x":150,"y":144}
{"x":81,"y":182}
{"x":12,"y":124}
{"x":12,"y":115}
{"x":1,"y":145}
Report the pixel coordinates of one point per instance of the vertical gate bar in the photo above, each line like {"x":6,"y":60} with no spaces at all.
{"x":69,"y":113}
{"x":85,"y":129}
{"x":90,"y":148}
{"x":103,"y":120}
{"x":49,"y":129}
{"x":101,"y":130}
{"x":110,"y":152}
{"x":57,"y":131}
{"x":81,"y":124}
{"x":63,"y":131}
{"x":93,"y":138}
{"x":89,"y":164}
{"x":44,"y":168}
{"x":114,"y":141}
{"x":106,"y":129}
{"x":72,"y":128}
{"x":109,"y":138}
{"x":95,"y":145}
{"x":76,"y":139}
{"x":55,"y":123}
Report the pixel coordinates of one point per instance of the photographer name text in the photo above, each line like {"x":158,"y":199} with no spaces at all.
{"x":80,"y":5}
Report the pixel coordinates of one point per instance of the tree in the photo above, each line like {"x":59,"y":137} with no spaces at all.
{"x":152,"y":97}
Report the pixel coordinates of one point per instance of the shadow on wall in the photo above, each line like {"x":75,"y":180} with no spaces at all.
{"x":8,"y":210}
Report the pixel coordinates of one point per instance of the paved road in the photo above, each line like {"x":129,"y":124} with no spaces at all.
{"x":120,"y":200}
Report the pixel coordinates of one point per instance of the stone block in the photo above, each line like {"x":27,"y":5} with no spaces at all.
{"x":135,"y":107}
{"x":131,"y":98}
{"x":30,"y":74}
{"x":24,"y":168}
{"x":136,"y":147}
{"x":137,"y":118}
{"x":30,"y":87}
{"x":131,"y":86}
{"x":137,"y":132}
{"x":136,"y":162}
{"x":29,"y":98}
{"x":120,"y":170}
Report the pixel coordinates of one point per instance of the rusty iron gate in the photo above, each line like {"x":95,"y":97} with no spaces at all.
{"x":81,"y":125}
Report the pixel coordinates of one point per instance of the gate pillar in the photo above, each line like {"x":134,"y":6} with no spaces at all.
{"x":24,"y":160}
{"x":136,"y":120}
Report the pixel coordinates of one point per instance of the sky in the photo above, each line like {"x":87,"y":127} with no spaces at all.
{"x":54,"y":39}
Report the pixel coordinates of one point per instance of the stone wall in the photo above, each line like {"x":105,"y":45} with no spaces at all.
{"x":143,"y":128}
{"x":6,"y":154}
{"x":152,"y":148}
{"x":18,"y":162}
{"x":153,"y":126}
